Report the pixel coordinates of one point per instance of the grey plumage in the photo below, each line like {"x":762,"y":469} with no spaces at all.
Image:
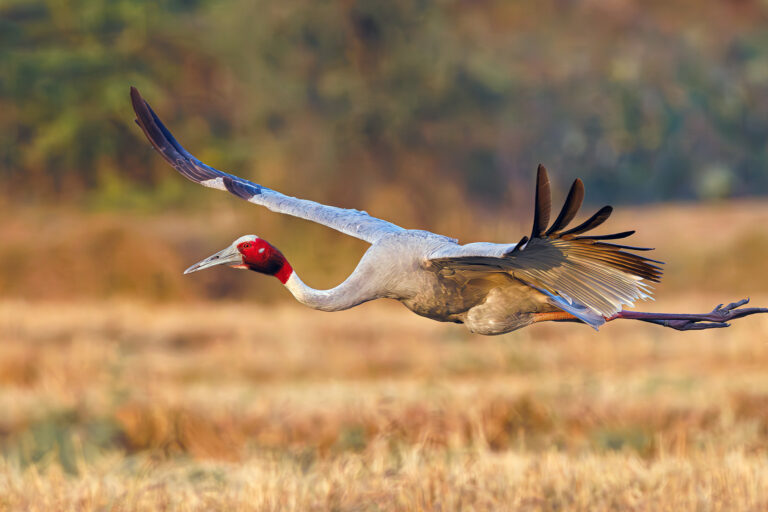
{"x":492,"y":288}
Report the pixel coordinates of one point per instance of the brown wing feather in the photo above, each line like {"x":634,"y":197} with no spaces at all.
{"x":570,"y":208}
{"x":591,"y":223}
{"x":601,"y":276}
{"x":543,"y":205}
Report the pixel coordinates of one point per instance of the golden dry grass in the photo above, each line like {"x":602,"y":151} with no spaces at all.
{"x":125,"y":406}
{"x":121,"y":404}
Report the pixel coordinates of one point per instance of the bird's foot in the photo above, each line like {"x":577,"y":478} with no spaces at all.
{"x":717,"y":318}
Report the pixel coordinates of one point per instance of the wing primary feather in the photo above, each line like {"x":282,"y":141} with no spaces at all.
{"x":591,"y":223}
{"x":608,"y":250}
{"x":570,"y":207}
{"x":630,"y":248}
{"x":166,"y":133}
{"x":628,"y":262}
{"x":146,"y":123}
{"x":167,"y":145}
{"x":614,"y":236}
{"x":543,"y":202}
{"x":625,"y":261}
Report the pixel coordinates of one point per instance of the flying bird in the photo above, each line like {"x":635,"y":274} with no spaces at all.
{"x":556,"y":273}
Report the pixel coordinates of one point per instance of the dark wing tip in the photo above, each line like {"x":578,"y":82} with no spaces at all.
{"x":135,"y":96}
{"x":570,"y":207}
{"x":140,"y":109}
{"x":165,"y":143}
{"x":591,"y":223}
{"x":146,"y":122}
{"x":543,"y":202}
{"x":143,"y":115}
{"x":614,"y":236}
{"x":189,"y":166}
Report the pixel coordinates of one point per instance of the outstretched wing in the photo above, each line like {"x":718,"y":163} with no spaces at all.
{"x":583,"y":275}
{"x":351,"y":222}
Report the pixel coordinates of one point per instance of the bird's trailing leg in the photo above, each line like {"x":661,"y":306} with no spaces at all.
{"x":718,"y":317}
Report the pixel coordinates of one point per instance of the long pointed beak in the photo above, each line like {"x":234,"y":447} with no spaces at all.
{"x":228,"y":256}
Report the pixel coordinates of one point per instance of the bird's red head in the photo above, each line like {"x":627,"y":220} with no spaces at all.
{"x":261,"y":256}
{"x":252,"y":253}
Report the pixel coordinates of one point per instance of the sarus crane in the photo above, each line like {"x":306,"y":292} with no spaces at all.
{"x":555,"y":274}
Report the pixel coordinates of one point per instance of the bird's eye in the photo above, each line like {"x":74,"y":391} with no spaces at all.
{"x":246,"y":245}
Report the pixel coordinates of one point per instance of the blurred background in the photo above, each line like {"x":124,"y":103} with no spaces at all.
{"x":430,"y":115}
{"x":433,"y":115}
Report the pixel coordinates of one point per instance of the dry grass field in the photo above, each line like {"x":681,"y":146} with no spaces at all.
{"x":126,"y":404}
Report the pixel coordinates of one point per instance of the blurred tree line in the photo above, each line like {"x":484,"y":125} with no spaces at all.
{"x":405,"y":107}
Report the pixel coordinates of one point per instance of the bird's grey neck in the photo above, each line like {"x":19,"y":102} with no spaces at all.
{"x":347,"y":295}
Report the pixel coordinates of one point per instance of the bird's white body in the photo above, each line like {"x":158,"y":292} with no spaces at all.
{"x":397,"y":266}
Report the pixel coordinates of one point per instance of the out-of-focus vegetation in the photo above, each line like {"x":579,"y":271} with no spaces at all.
{"x":219,"y":406}
{"x":58,"y":254}
{"x":404,"y":108}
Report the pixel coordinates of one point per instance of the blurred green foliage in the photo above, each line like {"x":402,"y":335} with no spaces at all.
{"x":359,"y":101}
